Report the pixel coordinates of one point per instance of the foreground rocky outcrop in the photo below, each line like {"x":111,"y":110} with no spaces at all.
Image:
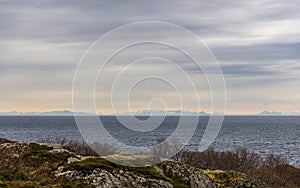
{"x":48,"y":165}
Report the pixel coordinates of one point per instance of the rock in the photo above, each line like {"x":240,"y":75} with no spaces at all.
{"x":72,"y":160}
{"x":48,"y":165}
{"x":230,"y":179}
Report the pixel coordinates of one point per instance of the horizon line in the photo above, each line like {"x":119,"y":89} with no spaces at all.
{"x":144,"y":113}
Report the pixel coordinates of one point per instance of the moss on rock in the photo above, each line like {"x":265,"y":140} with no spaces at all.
{"x":31,"y":165}
{"x":46,"y":165}
{"x":229,"y":179}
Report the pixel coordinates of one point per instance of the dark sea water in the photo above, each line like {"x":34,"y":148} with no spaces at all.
{"x":279,"y":135}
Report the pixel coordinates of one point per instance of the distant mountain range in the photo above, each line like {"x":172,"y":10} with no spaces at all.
{"x":146,"y":112}
{"x":58,"y":112}
{"x":141,"y":112}
{"x":276,"y":113}
{"x":166,"y":112}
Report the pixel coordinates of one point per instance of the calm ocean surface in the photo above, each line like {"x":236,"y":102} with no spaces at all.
{"x":278,"y":135}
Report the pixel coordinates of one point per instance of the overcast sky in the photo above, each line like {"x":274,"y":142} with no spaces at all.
{"x":257,"y":44}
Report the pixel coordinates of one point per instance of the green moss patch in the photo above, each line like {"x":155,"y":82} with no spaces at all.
{"x":38,"y":155}
{"x":33,"y":165}
{"x":149,"y":172}
{"x":227,"y":179}
{"x":89,"y":164}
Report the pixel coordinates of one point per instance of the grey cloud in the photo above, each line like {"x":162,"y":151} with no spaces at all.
{"x":257,"y":82}
{"x":258,"y":63}
{"x":34,"y":67}
{"x":248,"y":70}
{"x":85,"y":20}
{"x":258,"y":52}
{"x":261,"y":69}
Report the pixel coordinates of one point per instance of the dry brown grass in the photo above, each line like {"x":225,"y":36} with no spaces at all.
{"x":83,"y":148}
{"x":271,"y":171}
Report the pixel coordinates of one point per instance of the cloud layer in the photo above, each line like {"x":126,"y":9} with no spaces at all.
{"x":257,"y":44}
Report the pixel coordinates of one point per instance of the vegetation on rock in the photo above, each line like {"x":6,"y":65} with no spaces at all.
{"x":52,"y":165}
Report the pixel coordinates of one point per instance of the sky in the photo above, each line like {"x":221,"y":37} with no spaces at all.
{"x":256,"y":44}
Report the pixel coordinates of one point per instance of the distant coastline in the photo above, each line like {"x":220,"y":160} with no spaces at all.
{"x":143,"y":113}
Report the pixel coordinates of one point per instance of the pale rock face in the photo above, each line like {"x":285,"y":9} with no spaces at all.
{"x":193,"y":177}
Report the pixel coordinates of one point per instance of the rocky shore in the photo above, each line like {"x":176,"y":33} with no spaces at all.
{"x":50,"y":165}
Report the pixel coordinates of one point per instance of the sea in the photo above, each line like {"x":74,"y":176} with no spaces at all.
{"x":278,"y":135}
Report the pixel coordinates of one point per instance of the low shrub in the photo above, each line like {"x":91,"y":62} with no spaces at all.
{"x":83,"y":148}
{"x":271,"y":171}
